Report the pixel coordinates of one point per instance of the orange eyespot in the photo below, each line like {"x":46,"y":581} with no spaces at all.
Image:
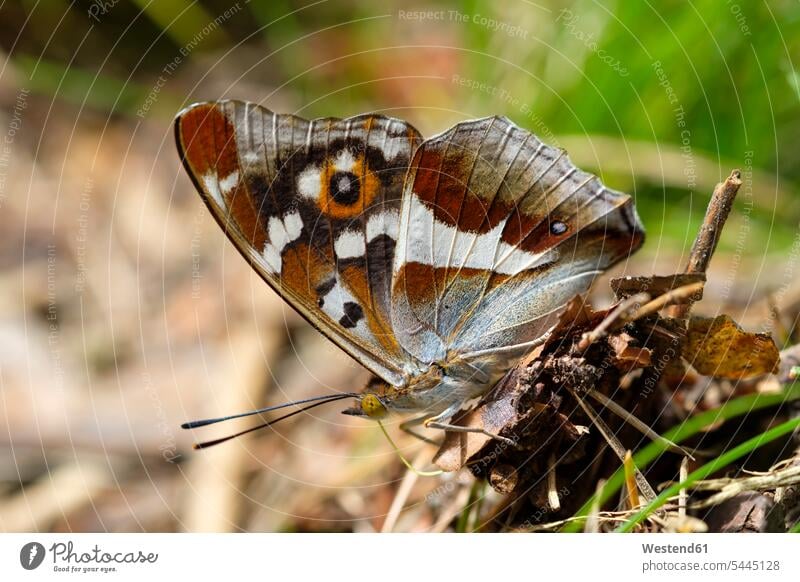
{"x":372,"y":406}
{"x":346,"y":192}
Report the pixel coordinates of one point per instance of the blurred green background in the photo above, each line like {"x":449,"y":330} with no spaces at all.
{"x":663,"y":98}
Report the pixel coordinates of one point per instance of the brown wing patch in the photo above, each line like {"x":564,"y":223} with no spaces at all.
{"x":207,"y":139}
{"x":243,"y":210}
{"x":304,"y":269}
{"x":377,"y":321}
{"x":415,"y":280}
{"x":460,"y":174}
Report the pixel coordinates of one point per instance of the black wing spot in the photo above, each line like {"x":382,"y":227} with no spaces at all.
{"x":345,"y":188}
{"x":323,"y":289}
{"x":352,"y":314}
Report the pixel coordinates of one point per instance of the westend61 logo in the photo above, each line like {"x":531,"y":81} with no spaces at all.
{"x":31,"y":555}
{"x":67,"y":559}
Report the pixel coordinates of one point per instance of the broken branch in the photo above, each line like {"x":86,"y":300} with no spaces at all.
{"x":708,"y":236}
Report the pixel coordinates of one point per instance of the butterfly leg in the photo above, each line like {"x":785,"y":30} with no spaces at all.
{"x":440,"y":421}
{"x":416,"y":421}
{"x":455,"y":428}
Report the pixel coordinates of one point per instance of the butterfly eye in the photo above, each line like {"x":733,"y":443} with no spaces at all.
{"x":372,"y":406}
{"x":558,"y":228}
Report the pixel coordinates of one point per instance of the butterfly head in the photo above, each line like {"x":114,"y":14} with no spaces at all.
{"x":369,"y":406}
{"x":426,"y":391}
{"x":374,"y":402}
{"x":372,"y":406}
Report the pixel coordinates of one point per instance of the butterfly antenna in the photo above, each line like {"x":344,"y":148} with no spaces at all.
{"x":326,"y":398}
{"x":319,"y":402}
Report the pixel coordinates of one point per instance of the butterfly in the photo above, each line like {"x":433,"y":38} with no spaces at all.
{"x":436,"y":263}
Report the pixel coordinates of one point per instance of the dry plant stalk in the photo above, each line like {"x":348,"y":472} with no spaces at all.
{"x":710,"y":231}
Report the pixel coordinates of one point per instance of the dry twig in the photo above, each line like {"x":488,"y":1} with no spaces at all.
{"x":707,"y":238}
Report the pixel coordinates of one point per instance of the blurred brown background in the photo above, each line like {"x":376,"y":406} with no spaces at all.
{"x":124,"y":311}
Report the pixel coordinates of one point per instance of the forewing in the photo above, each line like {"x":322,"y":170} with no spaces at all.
{"x":314,"y":207}
{"x":497,"y":232}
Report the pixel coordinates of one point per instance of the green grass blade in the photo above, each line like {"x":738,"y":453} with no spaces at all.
{"x":463,"y":518}
{"x":77,"y":85}
{"x":732,"y":409}
{"x":710,"y":468}
{"x":184,"y":21}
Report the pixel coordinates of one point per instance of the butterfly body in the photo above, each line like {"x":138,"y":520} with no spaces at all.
{"x":442,"y":386}
{"x":435,"y":263}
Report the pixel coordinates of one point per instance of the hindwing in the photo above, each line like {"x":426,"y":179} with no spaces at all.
{"x":497,"y":232}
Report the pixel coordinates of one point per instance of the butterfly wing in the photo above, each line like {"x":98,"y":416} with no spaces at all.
{"x":314,"y":207}
{"x":497,"y":232}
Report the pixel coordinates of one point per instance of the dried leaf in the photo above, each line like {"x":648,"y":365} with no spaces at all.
{"x":575,"y":314}
{"x":718,"y":347}
{"x":628,"y":356}
{"x":457,"y":448}
{"x":503,"y":478}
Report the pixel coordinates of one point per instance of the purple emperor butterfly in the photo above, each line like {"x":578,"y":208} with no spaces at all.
{"x":435,"y":263}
